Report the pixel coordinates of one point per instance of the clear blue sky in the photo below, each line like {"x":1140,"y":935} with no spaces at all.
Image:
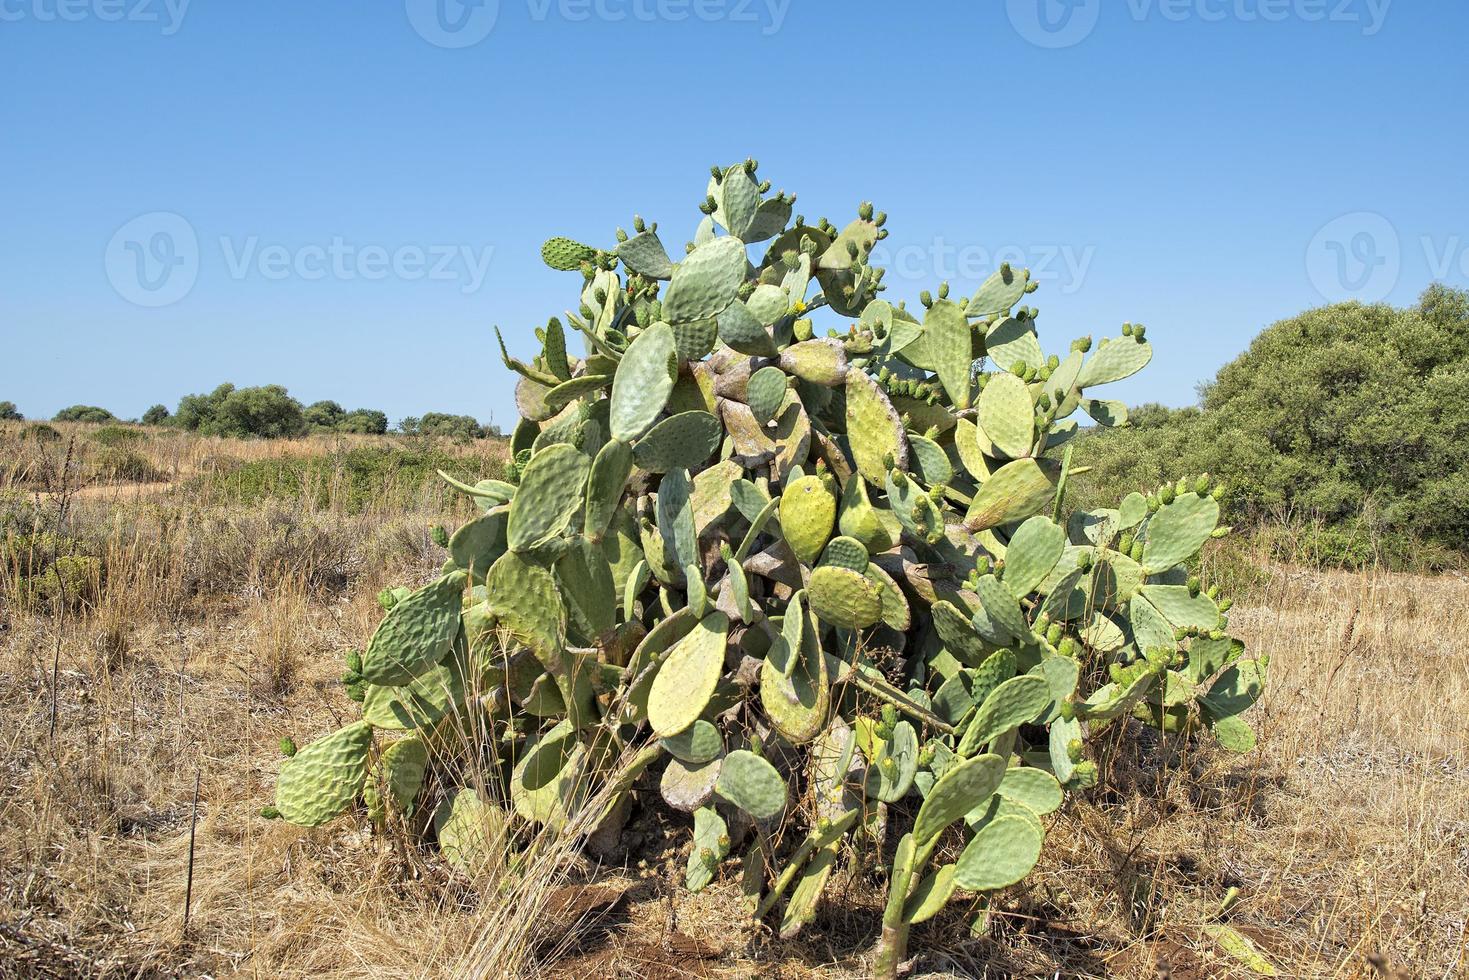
{"x":1192,"y":159}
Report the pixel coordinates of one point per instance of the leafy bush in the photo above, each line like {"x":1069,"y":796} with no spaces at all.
{"x":328,"y":416}
{"x":9,"y":413}
{"x":156,"y":415}
{"x":116,"y":435}
{"x":461,"y":427}
{"x":84,"y":413}
{"x":267,"y":412}
{"x":118,"y":464}
{"x":40,"y":432}
{"x":1348,"y":416}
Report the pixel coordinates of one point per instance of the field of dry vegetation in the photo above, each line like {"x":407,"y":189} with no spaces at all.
{"x":171,"y":606}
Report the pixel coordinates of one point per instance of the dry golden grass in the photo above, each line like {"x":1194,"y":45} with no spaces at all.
{"x":217,"y":629}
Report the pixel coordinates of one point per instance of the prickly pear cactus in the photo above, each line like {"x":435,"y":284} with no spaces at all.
{"x":818,"y":584}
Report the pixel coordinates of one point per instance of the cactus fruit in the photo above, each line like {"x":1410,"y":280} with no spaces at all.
{"x":805,"y":522}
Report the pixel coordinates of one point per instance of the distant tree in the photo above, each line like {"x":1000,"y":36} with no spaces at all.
{"x":157,"y":415}
{"x":267,"y":412}
{"x":324,"y":416}
{"x":1352,"y":414}
{"x":444,"y":425}
{"x":364,"y":421}
{"x":84,"y":413}
{"x":8,"y":413}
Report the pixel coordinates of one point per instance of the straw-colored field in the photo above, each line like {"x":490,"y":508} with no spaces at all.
{"x":213,"y":623}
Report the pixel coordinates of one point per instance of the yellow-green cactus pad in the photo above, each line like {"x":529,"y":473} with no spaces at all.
{"x":1021,"y":488}
{"x":322,"y":779}
{"x":1178,"y":530}
{"x":1014,"y":703}
{"x":398,"y":771}
{"x":950,"y":347}
{"x":821,"y":362}
{"x":1035,"y":548}
{"x":844,"y":598}
{"x":687,"y":678}
{"x":1007,"y":415}
{"x":471,"y":833}
{"x":1115,"y":359}
{"x":874,"y":429}
{"x":1000,"y":292}
{"x":706,"y":282}
{"x":1035,"y":788}
{"x":808,"y":513}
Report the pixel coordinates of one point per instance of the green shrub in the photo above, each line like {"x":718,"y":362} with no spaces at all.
{"x":116,"y":435}
{"x":1349,"y":416}
{"x":117,"y":464}
{"x":9,"y":413}
{"x":267,"y":412}
{"x":84,"y":413}
{"x":156,"y":415}
{"x":40,"y":432}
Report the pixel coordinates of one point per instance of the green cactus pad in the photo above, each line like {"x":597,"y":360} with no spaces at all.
{"x":1002,"y":608}
{"x":419,"y":703}
{"x":1114,"y":360}
{"x":893,"y":765}
{"x":999,"y":293}
{"x":679,"y":442}
{"x":950,"y":348}
{"x":1001,"y":853}
{"x":896,"y":612}
{"x":860,"y":520}
{"x":1034,"y":549}
{"x":1007,"y":415}
{"x":807,"y":515}
{"x":744,"y":330}
{"x":964,"y":787}
{"x":1178,"y":530}
{"x":608,"y":477}
{"x":765,"y":393}
{"x":752,"y":784}
{"x":1104,"y":412}
{"x":1181,"y":607}
{"x":416,"y":632}
{"x":399,"y":770}
{"x":706,"y":282}
{"x":845,"y":552}
{"x":1021,"y":488}
{"x":471,"y":833}
{"x":844,"y":598}
{"x":1208,"y":656}
{"x":476,"y":545}
{"x":322,"y":779}
{"x":687,"y":678}
{"x":874,"y":429}
{"x":957,"y":632}
{"x":550,"y":495}
{"x":1035,"y":788}
{"x":931,"y":894}
{"x":697,"y":744}
{"x":711,"y":846}
{"x":1012,"y":341}
{"x":930,"y":463}
{"x":644,"y":380}
{"x":644,"y":254}
{"x":1014,"y":703}
{"x":564,"y":254}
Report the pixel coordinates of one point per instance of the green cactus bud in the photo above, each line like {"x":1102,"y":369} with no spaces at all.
{"x":386,"y":599}
{"x":802,"y":329}
{"x":1226,"y":605}
{"x":1220,"y":532}
{"x":926,"y":298}
{"x":1166,"y":494}
{"x":270,"y":813}
{"x":1084,"y":561}
{"x":1127,"y":330}
{"x":288,"y":746}
{"x":1053,"y":634}
{"x":1067,"y":647}
{"x":1125,"y":543}
{"x":439,"y":535}
{"x":1194,"y":585}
